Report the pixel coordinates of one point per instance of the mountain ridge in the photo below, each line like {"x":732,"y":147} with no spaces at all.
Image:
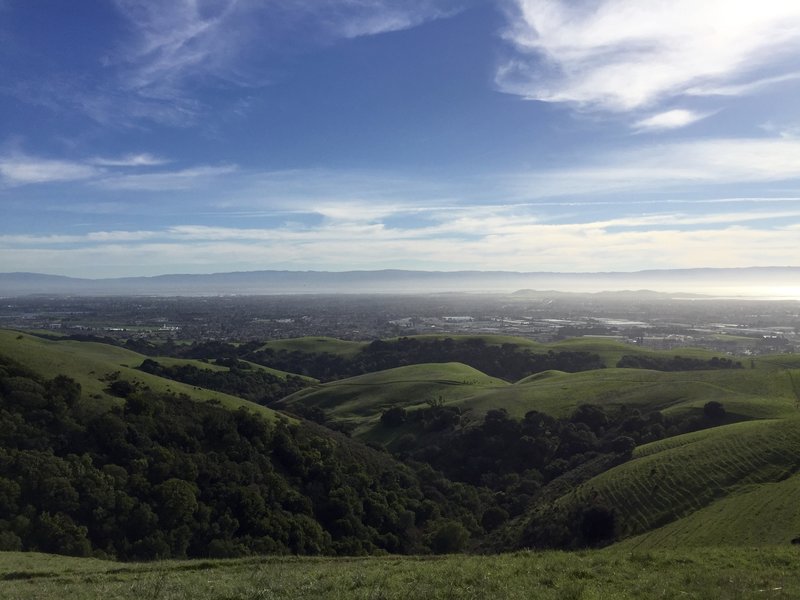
{"x":713,"y":281}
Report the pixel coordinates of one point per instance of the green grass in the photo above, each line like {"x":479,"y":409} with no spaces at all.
{"x":713,"y":573}
{"x":89,"y":363}
{"x":611,"y":350}
{"x":678,"y":477}
{"x":488,"y":338}
{"x":362,"y":399}
{"x":745,"y":393}
{"x":280,"y":374}
{"x":312,"y":345}
{"x":758,"y":515}
{"x":779,"y":361}
{"x":169,"y":361}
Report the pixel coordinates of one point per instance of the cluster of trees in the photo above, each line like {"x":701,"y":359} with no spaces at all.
{"x":505,"y":361}
{"x":240,"y":379}
{"x":526,"y":462}
{"x":516,"y":459}
{"x":676,"y":363}
{"x":164,"y":476}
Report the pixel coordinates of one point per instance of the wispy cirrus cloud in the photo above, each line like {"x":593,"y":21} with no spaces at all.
{"x":176,"y":46}
{"x":21,"y":169}
{"x":129,"y":160}
{"x":625,"y":55}
{"x":158,"y":181}
{"x":595,"y":246}
{"x":129,"y":172}
{"x":704,"y":162}
{"x":469,"y":223}
{"x":171,"y":59}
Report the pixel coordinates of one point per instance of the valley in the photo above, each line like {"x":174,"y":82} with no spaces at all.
{"x":416,"y":445}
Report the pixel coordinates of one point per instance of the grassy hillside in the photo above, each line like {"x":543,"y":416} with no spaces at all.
{"x":756,"y":515}
{"x":608,"y":575}
{"x":748,"y":393}
{"x":488,"y":338}
{"x":89,"y":364}
{"x":678,"y":477}
{"x":169,"y":361}
{"x":736,"y":483}
{"x":362,"y":399}
{"x":610,"y":350}
{"x":317,"y":345}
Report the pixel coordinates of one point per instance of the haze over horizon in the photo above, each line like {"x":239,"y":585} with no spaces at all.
{"x":763,"y":283}
{"x":520,"y":135}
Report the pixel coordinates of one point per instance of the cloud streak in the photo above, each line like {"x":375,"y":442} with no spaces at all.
{"x":21,"y":169}
{"x":694,"y":163}
{"x":176,"y":46}
{"x":579,"y":248}
{"x":626,"y":55}
{"x":671,"y":119}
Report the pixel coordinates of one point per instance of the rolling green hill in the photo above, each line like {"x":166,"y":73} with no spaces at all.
{"x":745,"y":393}
{"x":317,"y":345}
{"x":719,"y":473}
{"x":91,"y":363}
{"x":735,"y":483}
{"x":164,"y":475}
{"x":361,"y":400}
{"x":757,"y":515}
{"x":742,"y":470}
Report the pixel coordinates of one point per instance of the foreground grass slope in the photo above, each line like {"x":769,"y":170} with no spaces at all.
{"x":609,"y":574}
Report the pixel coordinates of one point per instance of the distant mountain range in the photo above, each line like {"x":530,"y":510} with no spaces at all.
{"x":752,"y":281}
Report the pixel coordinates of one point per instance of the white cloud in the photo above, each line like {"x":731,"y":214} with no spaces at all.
{"x":382,"y":16}
{"x":180,"y":43}
{"x":530,"y":247}
{"x":487,"y":237}
{"x":654,"y":167}
{"x":183,"y":179}
{"x":741,"y":88}
{"x":21,"y":169}
{"x":671,"y":119}
{"x":130,"y":160}
{"x":786,"y":130}
{"x":174,"y":40}
{"x":622,"y":55}
{"x":108,"y":173}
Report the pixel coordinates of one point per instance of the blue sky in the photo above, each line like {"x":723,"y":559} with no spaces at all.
{"x":141,"y":137}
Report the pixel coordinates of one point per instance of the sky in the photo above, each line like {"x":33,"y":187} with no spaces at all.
{"x":143,"y":137}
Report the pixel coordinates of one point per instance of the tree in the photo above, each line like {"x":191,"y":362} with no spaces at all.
{"x":449,"y":537}
{"x":493,"y":517}
{"x":177,"y":501}
{"x":714,"y":410}
{"x":598,"y":525}
{"x":623,"y":445}
{"x":394,"y":417}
